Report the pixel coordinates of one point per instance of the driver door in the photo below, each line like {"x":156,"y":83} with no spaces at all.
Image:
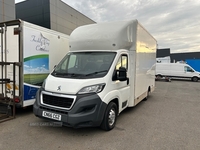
{"x":122,"y":86}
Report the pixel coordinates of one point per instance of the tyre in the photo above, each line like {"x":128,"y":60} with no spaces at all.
{"x":110,"y":117}
{"x":195,"y":79}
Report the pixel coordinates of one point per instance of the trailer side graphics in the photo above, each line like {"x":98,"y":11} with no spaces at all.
{"x":28,"y":53}
{"x":36,"y":61}
{"x":36,"y":69}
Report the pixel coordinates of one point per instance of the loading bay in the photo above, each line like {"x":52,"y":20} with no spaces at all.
{"x":168,"y":120}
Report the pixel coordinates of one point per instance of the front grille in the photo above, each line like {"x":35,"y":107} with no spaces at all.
{"x":64,"y":102}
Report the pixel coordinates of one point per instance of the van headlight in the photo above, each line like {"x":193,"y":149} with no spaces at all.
{"x":92,"y":89}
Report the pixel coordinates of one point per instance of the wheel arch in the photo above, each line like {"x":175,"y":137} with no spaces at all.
{"x":195,"y":77}
{"x":149,"y":89}
{"x":116,"y":101}
{"x":159,"y":74}
{"x":113,"y":96}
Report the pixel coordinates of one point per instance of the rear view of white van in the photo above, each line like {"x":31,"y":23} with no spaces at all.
{"x":176,"y":70}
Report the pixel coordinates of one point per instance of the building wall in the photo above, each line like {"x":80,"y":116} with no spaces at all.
{"x":184,"y":56}
{"x":194,"y":63}
{"x":52,"y":14}
{"x":34,"y":11}
{"x":64,"y":18}
{"x":7,"y":10}
{"x":163,"y":52}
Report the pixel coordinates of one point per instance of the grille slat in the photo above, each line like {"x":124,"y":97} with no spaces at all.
{"x":64,"y":102}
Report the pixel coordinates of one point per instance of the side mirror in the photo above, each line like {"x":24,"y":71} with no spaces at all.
{"x":121,"y":74}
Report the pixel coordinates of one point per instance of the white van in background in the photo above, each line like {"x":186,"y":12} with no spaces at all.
{"x":177,"y":70}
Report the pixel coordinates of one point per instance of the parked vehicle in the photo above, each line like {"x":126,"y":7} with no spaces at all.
{"x":166,"y":59}
{"x":28,"y":53}
{"x":110,"y":66}
{"x":176,"y":70}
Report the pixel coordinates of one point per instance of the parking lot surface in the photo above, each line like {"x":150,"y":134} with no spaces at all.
{"x":168,"y":120}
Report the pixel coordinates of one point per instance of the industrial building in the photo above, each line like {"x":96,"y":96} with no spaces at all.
{"x":191,"y":58}
{"x":163,"y":52}
{"x":185,"y":56}
{"x":52,"y":14}
{"x":7,"y":10}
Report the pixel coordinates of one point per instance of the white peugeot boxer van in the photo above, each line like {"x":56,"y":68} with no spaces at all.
{"x":110,"y":66}
{"x":176,"y":70}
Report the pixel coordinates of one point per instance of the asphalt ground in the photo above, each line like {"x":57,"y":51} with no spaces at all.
{"x":168,"y":120}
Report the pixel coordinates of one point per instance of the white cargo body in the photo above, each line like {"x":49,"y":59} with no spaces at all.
{"x":176,"y":70}
{"x":110,"y":66}
{"x":35,"y":51}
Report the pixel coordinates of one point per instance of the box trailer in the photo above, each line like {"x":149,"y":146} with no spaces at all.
{"x":28,"y":53}
{"x":110,"y":66}
{"x":176,"y":70}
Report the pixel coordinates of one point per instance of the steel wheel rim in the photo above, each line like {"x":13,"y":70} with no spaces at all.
{"x":111,"y":117}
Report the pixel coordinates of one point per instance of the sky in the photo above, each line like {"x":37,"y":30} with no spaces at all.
{"x":175,"y":24}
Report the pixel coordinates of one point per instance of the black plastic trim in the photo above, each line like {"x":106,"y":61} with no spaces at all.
{"x":88,"y":110}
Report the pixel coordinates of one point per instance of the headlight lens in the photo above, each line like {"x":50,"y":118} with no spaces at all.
{"x":92,"y":89}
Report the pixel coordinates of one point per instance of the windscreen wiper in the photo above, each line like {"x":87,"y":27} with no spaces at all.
{"x":96,"y":72}
{"x":65,"y":74}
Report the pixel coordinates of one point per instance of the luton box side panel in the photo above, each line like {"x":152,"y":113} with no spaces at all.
{"x":145,"y":62}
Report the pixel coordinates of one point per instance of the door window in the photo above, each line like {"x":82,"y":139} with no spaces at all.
{"x":122,"y":62}
{"x":188,"y":69}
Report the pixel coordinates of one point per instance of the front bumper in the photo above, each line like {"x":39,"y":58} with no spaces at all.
{"x":88,"y":110}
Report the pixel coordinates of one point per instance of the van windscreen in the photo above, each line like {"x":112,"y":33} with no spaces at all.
{"x":84,"y":65}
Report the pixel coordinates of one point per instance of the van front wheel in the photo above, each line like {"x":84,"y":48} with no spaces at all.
{"x":195,"y":79}
{"x":110,"y":117}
